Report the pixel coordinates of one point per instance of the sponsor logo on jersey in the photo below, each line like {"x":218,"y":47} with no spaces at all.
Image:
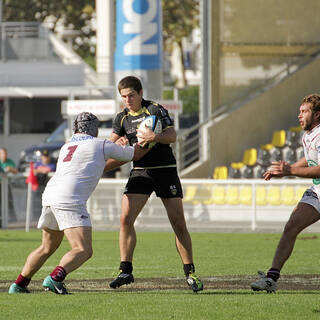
{"x":173,"y":190}
{"x":138,"y":120}
{"x":312,"y":163}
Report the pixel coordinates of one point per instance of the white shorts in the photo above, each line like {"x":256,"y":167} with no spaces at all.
{"x":60,"y":218}
{"x":310,"y":197}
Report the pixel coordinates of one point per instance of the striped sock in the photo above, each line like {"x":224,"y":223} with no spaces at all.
{"x":58,"y":274}
{"x":22,"y":281}
{"x":274,"y":274}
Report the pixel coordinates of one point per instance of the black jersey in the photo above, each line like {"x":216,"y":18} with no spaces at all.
{"x":126,"y":124}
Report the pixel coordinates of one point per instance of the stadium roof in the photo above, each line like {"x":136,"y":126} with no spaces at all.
{"x":70,"y":92}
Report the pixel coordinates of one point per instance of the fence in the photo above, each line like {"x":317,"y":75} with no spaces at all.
{"x":210,"y":205}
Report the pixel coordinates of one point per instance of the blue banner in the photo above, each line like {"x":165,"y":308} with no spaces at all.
{"x":138,"y":35}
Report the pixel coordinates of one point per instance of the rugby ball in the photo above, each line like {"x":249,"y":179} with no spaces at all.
{"x":153,"y":124}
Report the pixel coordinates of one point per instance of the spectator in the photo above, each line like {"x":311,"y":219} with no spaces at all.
{"x":43,"y":167}
{"x":7,"y":165}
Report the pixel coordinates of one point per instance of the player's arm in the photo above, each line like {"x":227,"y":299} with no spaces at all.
{"x":113,"y":163}
{"x":299,"y":169}
{"x":139,"y":152}
{"x":167,"y":136}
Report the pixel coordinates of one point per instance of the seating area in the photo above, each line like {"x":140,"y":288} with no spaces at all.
{"x":273,"y":195}
{"x":285,"y":145}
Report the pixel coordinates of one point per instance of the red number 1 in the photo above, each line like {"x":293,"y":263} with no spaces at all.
{"x":71,"y":149}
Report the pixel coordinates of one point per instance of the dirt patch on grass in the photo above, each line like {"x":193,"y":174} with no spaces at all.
{"x":306,"y":282}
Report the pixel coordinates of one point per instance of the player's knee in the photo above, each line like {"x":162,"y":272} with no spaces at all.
{"x":87,"y":252}
{"x":179,"y":227}
{"x":47,"y":250}
{"x":291,"y":228}
{"x":126,"y":220}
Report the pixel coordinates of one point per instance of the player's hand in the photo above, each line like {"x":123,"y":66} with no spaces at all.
{"x":145,"y":136}
{"x":278,"y":169}
{"x":122,"y":141}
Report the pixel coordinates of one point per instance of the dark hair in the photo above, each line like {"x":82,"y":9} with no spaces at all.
{"x":130,"y":82}
{"x":314,"y":100}
{"x":86,"y":123}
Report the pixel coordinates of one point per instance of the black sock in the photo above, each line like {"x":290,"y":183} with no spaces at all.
{"x":126,"y":266}
{"x":274,"y":274}
{"x":188,"y":268}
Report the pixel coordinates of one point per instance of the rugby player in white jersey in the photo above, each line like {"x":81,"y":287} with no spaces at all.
{"x":307,"y":211}
{"x":80,"y":165}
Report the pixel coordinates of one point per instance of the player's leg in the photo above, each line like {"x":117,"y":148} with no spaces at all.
{"x":174,"y":208}
{"x":132,"y":204}
{"x":76,"y":225}
{"x":176,"y":217}
{"x":80,"y":240}
{"x":302,"y":216}
{"x":51,"y":240}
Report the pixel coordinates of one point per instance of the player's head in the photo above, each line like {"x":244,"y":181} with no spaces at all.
{"x":3,"y":154}
{"x":130,"y":82}
{"x":86,"y":123}
{"x":130,"y":89}
{"x":309,"y":115}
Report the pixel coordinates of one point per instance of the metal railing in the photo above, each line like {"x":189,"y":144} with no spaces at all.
{"x":211,"y":205}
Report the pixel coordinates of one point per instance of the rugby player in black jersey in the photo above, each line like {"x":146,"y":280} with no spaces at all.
{"x":156,"y":171}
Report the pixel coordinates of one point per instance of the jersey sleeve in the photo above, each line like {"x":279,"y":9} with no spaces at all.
{"x":117,"y":152}
{"x":162,"y":114}
{"x":317,"y":146}
{"x":117,"y":127}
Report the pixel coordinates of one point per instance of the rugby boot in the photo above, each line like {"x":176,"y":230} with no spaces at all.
{"x":55,"y":286}
{"x":194,"y":282}
{"x":264,"y":283}
{"x":14,"y":288}
{"x":121,"y":279}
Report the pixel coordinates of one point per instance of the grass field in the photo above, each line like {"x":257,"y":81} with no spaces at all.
{"x":226,"y":263}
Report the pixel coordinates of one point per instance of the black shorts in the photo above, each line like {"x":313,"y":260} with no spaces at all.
{"x":164,"y":181}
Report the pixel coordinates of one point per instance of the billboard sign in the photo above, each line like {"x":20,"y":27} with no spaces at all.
{"x":139,"y":35}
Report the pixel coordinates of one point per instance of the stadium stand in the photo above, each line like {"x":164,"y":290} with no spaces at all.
{"x":274,"y":196}
{"x":245,"y":195}
{"x":190,"y":193}
{"x":261,"y":196}
{"x":285,"y":145}
{"x":288,"y":196}
{"x":220,"y":172}
{"x":234,"y":171}
{"x":232,"y":195}
{"x":217,"y":196}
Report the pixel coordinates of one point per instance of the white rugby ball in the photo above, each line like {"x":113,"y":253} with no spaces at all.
{"x":153,"y":124}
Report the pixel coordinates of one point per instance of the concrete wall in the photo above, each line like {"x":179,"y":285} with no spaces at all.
{"x":253,"y":124}
{"x":39,"y":74}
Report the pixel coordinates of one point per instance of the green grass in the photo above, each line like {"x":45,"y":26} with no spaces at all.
{"x":215,"y":254}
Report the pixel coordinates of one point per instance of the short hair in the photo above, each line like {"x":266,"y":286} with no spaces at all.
{"x":86,"y":123}
{"x":130,"y":82}
{"x":314,"y":100}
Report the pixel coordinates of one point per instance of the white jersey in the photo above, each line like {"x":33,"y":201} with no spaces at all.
{"x":311,"y":146}
{"x":80,"y":166}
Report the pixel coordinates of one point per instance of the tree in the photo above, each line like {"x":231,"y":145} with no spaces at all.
{"x":74,"y":15}
{"x":180,"y":18}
